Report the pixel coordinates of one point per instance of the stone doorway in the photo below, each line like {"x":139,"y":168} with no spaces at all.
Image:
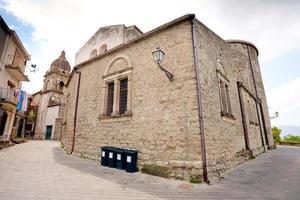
{"x":3,"y":119}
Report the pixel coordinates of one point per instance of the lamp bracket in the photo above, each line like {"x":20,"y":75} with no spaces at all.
{"x":168,"y":74}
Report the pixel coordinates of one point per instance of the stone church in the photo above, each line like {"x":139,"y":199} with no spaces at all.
{"x":186,"y":99}
{"x":50,"y":111}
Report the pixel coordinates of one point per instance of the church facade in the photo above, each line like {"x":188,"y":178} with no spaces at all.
{"x":50,"y":106}
{"x":200,"y":112}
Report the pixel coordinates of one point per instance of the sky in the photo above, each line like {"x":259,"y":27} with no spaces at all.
{"x":46,"y":27}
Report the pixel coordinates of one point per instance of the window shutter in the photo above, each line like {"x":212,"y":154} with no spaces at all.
{"x":123,"y":95}
{"x":110,"y":98}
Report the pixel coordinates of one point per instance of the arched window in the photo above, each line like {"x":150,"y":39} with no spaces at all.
{"x":103,"y":48}
{"x":93,"y":53}
{"x":224,"y":94}
{"x":47,"y":85}
{"x":117,"y":88}
{"x":61,"y":85}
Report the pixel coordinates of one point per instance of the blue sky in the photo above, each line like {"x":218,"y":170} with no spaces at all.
{"x":281,"y":69}
{"x":48,"y":26}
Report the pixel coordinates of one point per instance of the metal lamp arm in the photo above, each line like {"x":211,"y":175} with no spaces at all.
{"x":168,"y":74}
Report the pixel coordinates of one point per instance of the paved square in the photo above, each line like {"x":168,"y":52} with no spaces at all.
{"x":41,"y":170}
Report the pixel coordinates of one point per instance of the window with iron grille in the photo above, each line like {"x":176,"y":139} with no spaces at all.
{"x":110,"y":98}
{"x":123,"y":96}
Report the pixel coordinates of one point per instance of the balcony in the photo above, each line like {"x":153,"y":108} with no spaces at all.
{"x":17,"y":73}
{"x":7,"y":97}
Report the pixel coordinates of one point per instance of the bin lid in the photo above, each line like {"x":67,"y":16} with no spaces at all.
{"x":106,"y":147}
{"x":119,"y":150}
{"x":130,"y":151}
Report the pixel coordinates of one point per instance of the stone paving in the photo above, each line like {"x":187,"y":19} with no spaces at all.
{"x":41,"y":170}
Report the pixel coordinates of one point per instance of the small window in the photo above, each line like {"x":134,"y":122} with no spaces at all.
{"x":249,"y":112}
{"x":47,"y":85}
{"x":224,"y":97}
{"x":93,"y":53}
{"x":61,"y":85}
{"x":110,"y":98}
{"x":103,"y":48}
{"x":123,"y":96}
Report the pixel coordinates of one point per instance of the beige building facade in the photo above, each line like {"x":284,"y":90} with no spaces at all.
{"x":104,"y":39}
{"x":50,"y":106}
{"x":212,"y":116}
{"x":13,"y":58}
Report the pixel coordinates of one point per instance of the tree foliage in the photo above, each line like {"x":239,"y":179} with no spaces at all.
{"x":276,"y":134}
{"x":291,"y":138}
{"x":31,"y":116}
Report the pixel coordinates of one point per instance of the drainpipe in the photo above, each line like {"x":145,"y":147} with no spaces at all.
{"x":243,"y":116}
{"x":199,"y":98}
{"x":256,"y":93}
{"x":76,"y":108}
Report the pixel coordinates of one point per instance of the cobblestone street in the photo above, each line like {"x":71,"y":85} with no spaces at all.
{"x":41,"y":170}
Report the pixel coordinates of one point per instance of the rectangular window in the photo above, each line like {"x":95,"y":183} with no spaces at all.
{"x":228,"y":99}
{"x":16,"y":59}
{"x":224,"y":98}
{"x":250,"y":112}
{"x":123,"y":96}
{"x":110,"y":98}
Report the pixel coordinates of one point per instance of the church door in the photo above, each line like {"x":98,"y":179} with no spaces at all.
{"x":48,"y":132}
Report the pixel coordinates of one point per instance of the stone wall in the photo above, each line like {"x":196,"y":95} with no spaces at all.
{"x":241,"y":58}
{"x":163,"y":123}
{"x":224,"y":136}
{"x":163,"y":127}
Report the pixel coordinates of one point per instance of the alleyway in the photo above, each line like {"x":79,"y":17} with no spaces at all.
{"x":41,"y":170}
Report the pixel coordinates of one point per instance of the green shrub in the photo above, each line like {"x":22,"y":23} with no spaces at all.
{"x":156,"y":170}
{"x":18,"y":140}
{"x":276,"y":134}
{"x":195,"y":179}
{"x":291,"y":138}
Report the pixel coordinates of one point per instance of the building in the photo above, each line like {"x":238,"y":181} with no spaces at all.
{"x":13,"y":58}
{"x":106,"y":38}
{"x":198,"y":113}
{"x":31,"y":113}
{"x":49,"y":118}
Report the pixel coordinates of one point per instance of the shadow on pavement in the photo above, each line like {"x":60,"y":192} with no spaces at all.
{"x":156,"y":186}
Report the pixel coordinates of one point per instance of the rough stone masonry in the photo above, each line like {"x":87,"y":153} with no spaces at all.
{"x":212,"y":117}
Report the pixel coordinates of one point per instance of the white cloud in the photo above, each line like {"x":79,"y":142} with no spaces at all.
{"x":285,"y":99}
{"x":13,"y":27}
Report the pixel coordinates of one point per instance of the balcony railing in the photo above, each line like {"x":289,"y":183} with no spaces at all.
{"x":7,"y":96}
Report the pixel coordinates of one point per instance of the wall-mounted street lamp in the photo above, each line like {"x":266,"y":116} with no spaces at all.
{"x":159,"y":56}
{"x":275,"y":116}
{"x":33,"y":68}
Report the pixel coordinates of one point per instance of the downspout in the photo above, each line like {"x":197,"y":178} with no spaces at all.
{"x":199,"y":98}
{"x":76,"y":108}
{"x":256,"y":93}
{"x":264,"y":124}
{"x":243,"y":117}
